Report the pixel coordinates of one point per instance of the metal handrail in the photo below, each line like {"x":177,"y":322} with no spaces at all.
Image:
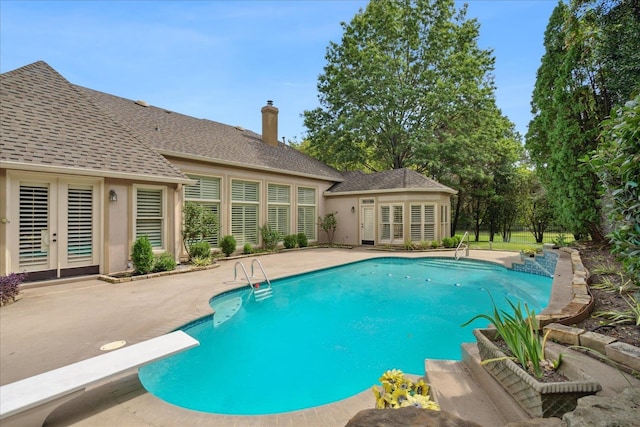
{"x":244,"y":270}
{"x":257,"y":261}
{"x":466,"y":246}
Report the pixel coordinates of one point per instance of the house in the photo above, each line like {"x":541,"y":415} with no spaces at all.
{"x":84,"y":173}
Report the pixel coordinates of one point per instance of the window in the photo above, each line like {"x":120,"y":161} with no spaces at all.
{"x":244,"y":212}
{"x":444,"y":220}
{"x":80,"y":224}
{"x":391,"y":223}
{"x":150,"y":215}
{"x":34,"y":225}
{"x":206,"y":192}
{"x":279,"y":208}
{"x":307,"y":216}
{"x":423,"y":223}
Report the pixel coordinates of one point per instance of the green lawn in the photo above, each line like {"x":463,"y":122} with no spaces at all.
{"x":519,"y":240}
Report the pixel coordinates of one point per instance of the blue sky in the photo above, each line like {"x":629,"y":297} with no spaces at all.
{"x":222,"y":60}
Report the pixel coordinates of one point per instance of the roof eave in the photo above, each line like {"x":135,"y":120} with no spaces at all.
{"x":210,"y":160}
{"x":392,"y":190}
{"x":35,"y":167}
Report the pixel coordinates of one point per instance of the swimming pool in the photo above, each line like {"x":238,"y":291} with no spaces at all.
{"x":330,"y":334}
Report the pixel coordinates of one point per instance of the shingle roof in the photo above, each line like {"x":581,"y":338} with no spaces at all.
{"x":179,"y":135}
{"x":47,"y":122}
{"x":356,"y":181}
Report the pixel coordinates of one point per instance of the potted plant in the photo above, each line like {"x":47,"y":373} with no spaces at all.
{"x":526,"y":380}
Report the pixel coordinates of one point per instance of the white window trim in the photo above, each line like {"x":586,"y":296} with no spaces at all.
{"x":280,"y":204}
{"x":391,"y":239}
{"x":163,"y":227}
{"x":422,"y":220}
{"x":233,"y":202}
{"x":217,"y":201}
{"x":314,"y":205}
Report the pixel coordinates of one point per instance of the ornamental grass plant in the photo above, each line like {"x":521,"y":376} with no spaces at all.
{"x":519,"y":333}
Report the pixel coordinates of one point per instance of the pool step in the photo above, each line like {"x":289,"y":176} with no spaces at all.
{"x":457,"y":389}
{"x":261,"y":294}
{"x":225,"y":309}
{"x":453,"y":264}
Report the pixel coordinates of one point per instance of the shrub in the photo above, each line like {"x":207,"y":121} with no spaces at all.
{"x":435,"y":244}
{"x":10,"y":286}
{"x":199,"y":223}
{"x":424,"y":244}
{"x":228,"y":245}
{"x":302,"y":240}
{"x":408,"y":245}
{"x":270,"y":237}
{"x":456,"y":240}
{"x":247,"y":249}
{"x":448,"y":242}
{"x":201,"y":250}
{"x":201,"y":262}
{"x":142,"y":255}
{"x":290,"y":241}
{"x":164,"y":262}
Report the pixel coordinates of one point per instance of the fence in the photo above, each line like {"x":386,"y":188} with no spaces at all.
{"x":520,"y":234}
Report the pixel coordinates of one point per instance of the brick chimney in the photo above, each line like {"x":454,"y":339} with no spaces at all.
{"x":270,"y":124}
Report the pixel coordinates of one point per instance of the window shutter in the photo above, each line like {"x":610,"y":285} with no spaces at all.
{"x":205,"y":188}
{"x":242,"y":191}
{"x":429,"y":222}
{"x":306,"y":196}
{"x":149,"y":215}
{"x":80,"y":224}
{"x":278,"y":193}
{"x":34,"y":219}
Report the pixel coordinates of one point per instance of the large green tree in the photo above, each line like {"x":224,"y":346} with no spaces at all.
{"x":407,"y":77}
{"x":590,"y":66}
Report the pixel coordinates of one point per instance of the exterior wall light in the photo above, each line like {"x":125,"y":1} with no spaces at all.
{"x":353,"y":209}
{"x":113,"y":196}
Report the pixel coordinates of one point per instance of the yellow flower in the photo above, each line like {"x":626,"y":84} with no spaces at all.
{"x":420,"y":401}
{"x":421,"y":387}
{"x":391,"y":376}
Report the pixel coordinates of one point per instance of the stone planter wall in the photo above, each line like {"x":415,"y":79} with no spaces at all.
{"x":538,"y":399}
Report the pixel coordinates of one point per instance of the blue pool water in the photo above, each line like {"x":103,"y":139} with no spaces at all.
{"x":330,"y":334}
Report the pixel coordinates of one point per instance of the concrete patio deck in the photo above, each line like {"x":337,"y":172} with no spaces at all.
{"x":62,"y":323}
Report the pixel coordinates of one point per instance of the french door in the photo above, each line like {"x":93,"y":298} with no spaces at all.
{"x":56,"y":227}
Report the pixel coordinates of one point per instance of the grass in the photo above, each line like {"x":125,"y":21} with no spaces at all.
{"x":520,"y":240}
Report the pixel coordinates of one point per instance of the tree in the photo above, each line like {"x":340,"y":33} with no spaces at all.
{"x":538,"y":211}
{"x":407,"y":75}
{"x":328,"y":223}
{"x":199,"y":223}
{"x":617,"y":163}
{"x":589,"y":66}
{"x":563,"y":126}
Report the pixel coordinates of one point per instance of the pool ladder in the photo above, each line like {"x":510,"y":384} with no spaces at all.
{"x":259,"y":292}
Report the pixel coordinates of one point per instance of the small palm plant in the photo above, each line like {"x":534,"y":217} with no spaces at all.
{"x":521,"y":337}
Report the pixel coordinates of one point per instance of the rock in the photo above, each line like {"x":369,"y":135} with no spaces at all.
{"x":606,"y":411}
{"x":407,"y":417}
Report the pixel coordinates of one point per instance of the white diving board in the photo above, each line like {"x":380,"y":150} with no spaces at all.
{"x":29,"y":402}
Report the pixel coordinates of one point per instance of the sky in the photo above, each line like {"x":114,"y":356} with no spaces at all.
{"x":222,"y":60}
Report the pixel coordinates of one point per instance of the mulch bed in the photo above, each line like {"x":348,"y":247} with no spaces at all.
{"x":604,"y":267}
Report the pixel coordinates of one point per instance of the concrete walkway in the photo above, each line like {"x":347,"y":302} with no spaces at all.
{"x":62,"y":323}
